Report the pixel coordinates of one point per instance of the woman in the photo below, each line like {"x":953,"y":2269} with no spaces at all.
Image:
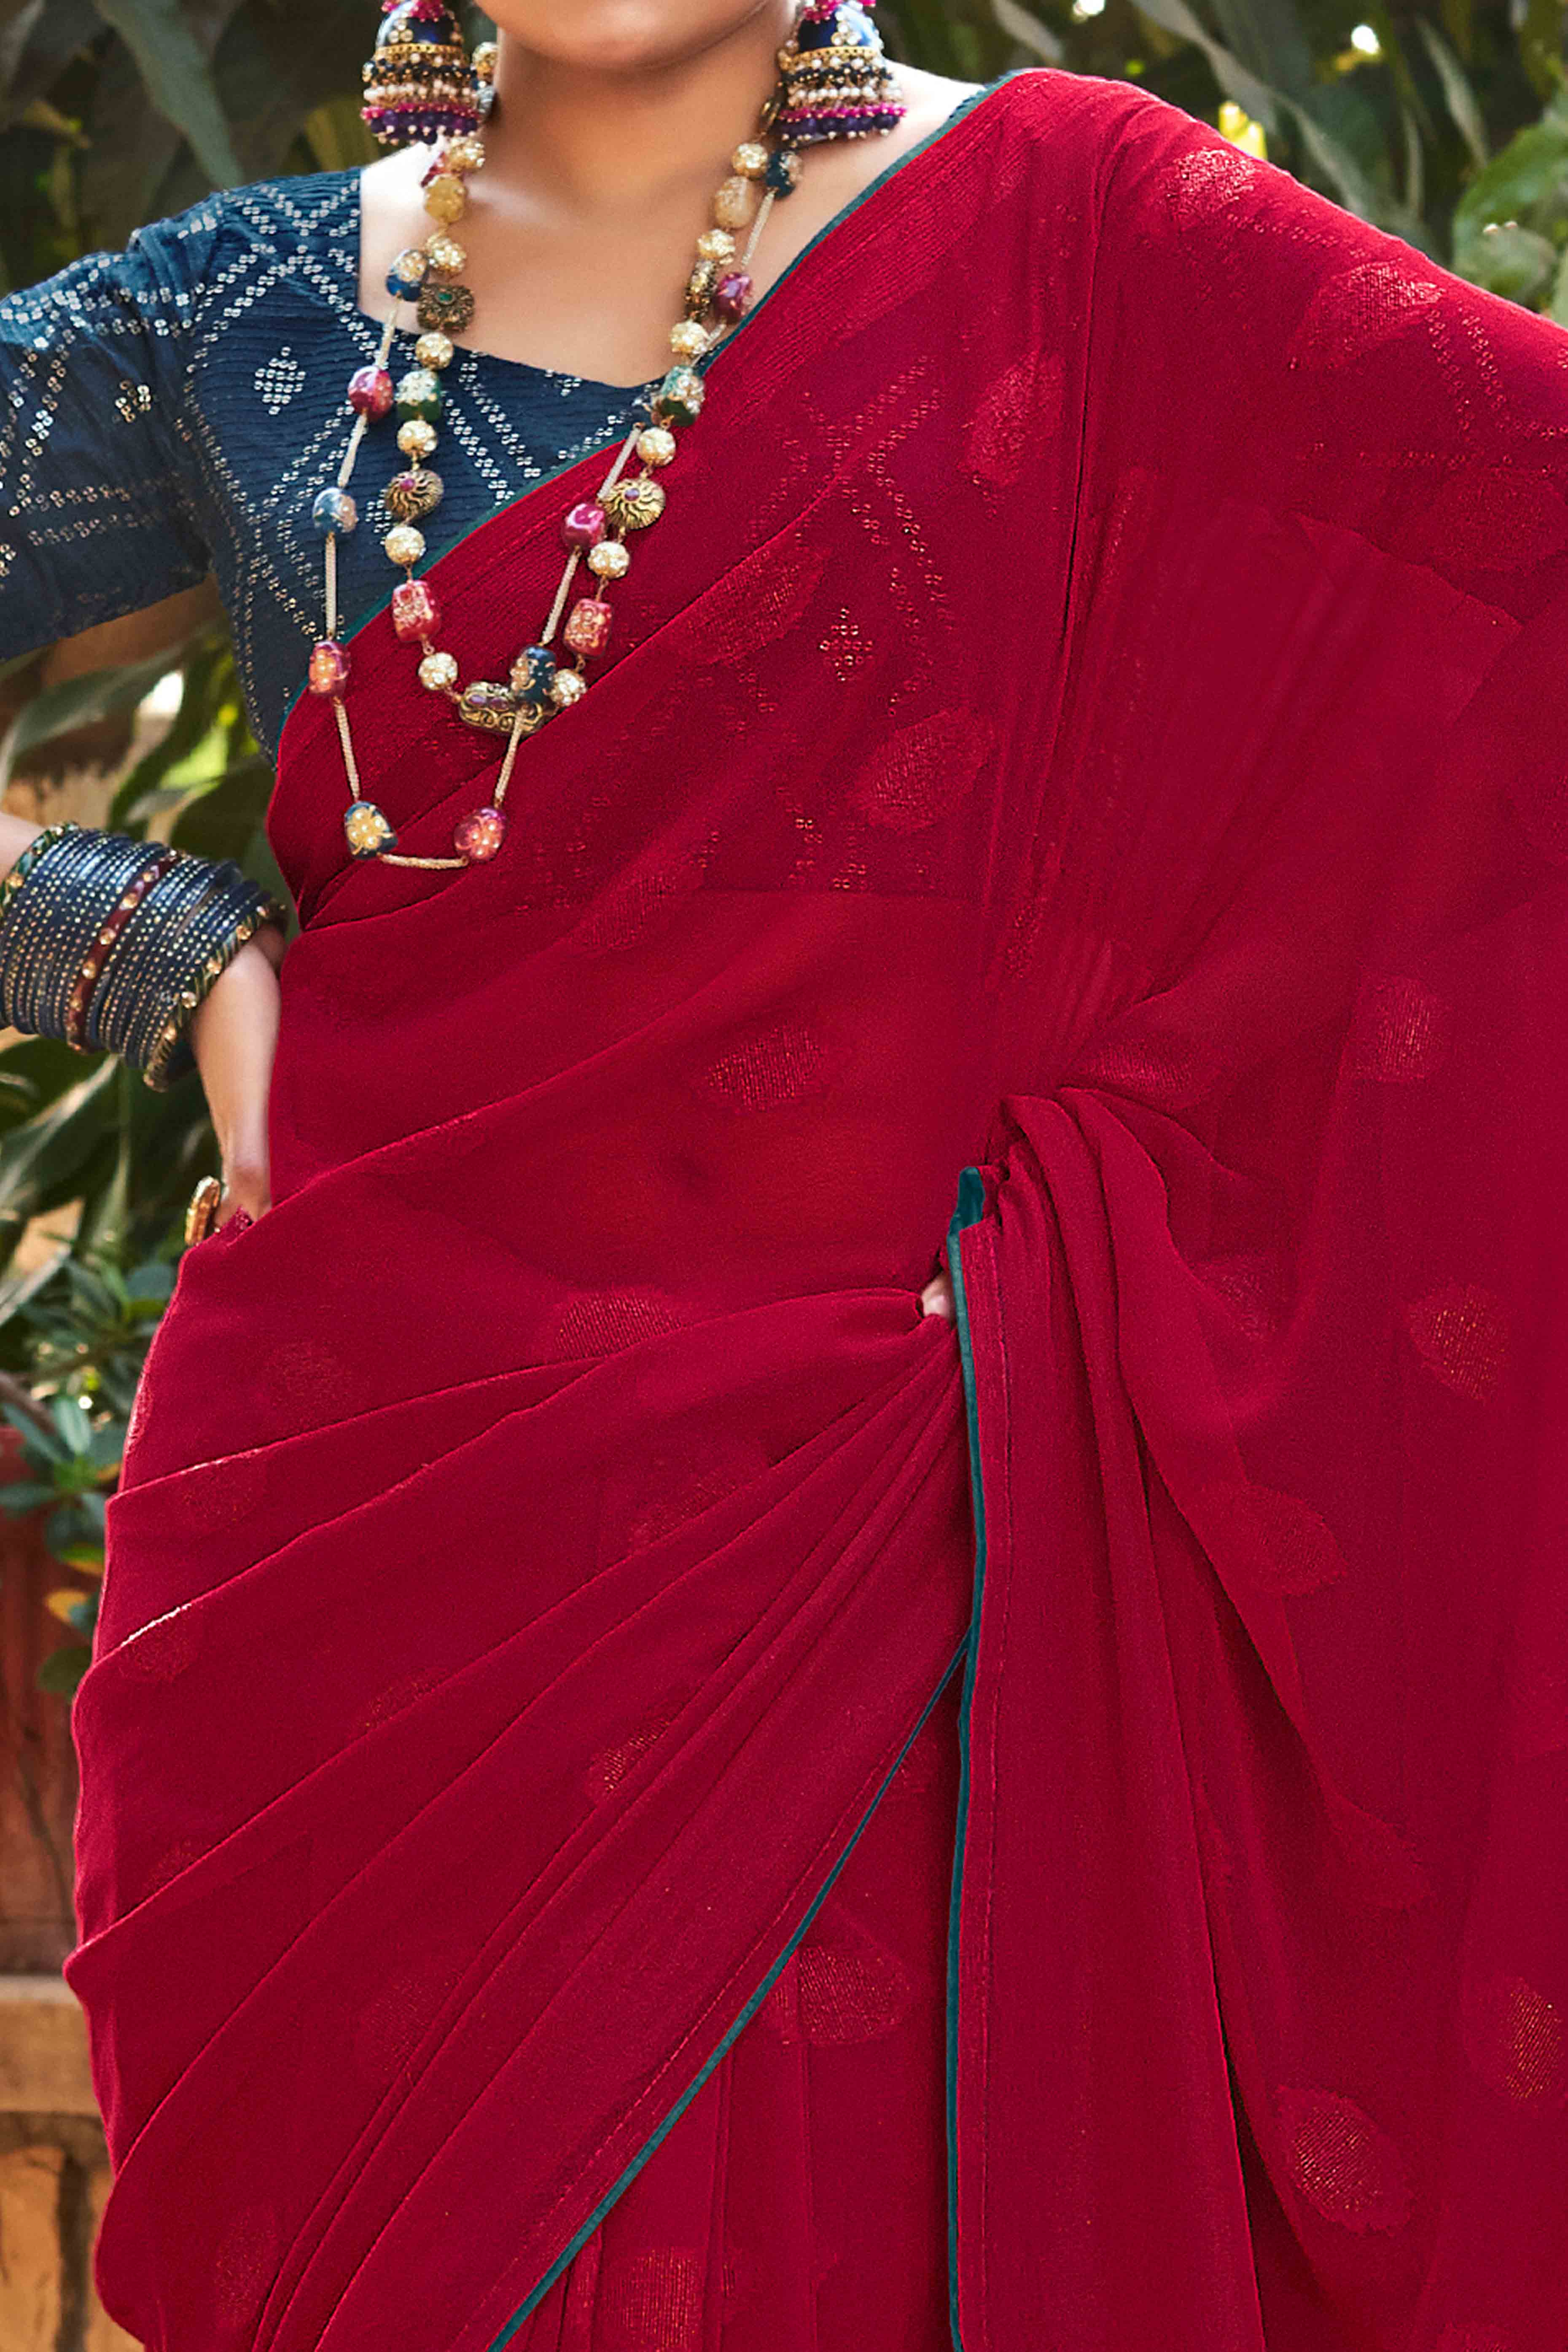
{"x":639,"y":1789}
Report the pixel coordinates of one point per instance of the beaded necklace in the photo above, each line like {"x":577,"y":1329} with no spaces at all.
{"x":539,"y":687}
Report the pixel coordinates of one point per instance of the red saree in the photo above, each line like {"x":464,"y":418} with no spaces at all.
{"x":1091,"y":724}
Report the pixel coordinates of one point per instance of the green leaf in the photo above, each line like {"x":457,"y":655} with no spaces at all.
{"x":169,"y":59}
{"x":1021,"y":25}
{"x":63,"y":1669}
{"x":1458,"y":91}
{"x":20,"y":1496}
{"x":1527,"y":182}
{"x":152,"y":1284}
{"x":82,"y":701}
{"x":1510,"y":260}
{"x":75,"y":1429}
{"x":87,"y":1557}
{"x":54,"y":1145}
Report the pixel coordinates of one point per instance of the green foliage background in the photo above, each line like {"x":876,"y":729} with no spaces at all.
{"x":1449,"y":129}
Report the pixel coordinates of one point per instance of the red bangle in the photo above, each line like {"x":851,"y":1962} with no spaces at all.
{"x":98,"y":954}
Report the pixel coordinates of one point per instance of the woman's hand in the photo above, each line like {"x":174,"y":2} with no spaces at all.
{"x":234,"y":1035}
{"x":936,"y":1298}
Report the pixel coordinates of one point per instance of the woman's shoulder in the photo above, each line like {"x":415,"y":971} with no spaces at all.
{"x":235,"y":239}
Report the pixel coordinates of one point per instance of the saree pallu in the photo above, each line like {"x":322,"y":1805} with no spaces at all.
{"x":1080,"y":766}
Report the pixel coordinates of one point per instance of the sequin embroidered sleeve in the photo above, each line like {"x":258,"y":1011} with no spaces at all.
{"x":97,"y":483}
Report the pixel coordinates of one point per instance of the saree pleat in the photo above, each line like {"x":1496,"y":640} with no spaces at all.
{"x":1085,"y":743}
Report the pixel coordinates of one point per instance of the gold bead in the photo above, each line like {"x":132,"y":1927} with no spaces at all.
{"x":445,"y":252}
{"x":567,"y":686}
{"x":483,"y":61}
{"x":656,"y":445}
{"x":609,"y":560}
{"x":688,"y":338}
{"x":749,"y":159}
{"x":716,"y":244}
{"x":404,"y":543}
{"x":465,"y":153}
{"x":635,"y":502}
{"x":445,"y":201}
{"x":437,"y":671}
{"x":417,"y":439}
{"x":435,"y":350}
{"x":733,"y":202}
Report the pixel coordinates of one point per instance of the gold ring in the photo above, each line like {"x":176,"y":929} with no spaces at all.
{"x":204,"y":1207}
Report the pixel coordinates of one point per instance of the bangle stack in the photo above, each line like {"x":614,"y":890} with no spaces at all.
{"x":111,"y":943}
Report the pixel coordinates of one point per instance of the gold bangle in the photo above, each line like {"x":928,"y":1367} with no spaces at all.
{"x":204,"y":1207}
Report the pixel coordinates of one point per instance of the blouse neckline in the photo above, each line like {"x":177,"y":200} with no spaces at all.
{"x":624,"y":394}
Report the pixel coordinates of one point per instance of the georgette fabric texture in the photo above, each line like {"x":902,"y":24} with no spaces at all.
{"x":1095,"y":724}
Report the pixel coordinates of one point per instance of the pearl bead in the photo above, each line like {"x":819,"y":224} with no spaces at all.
{"x":370,"y":392}
{"x":437,"y":672}
{"x":656,"y":445}
{"x":716,"y":244}
{"x":464,"y":154}
{"x":749,"y":159}
{"x":688,"y":339}
{"x":733,"y":203}
{"x":446,"y":199}
{"x":435,"y":350}
{"x":568,"y":687}
{"x":446,"y":253}
{"x":417,"y":438}
{"x":582,"y":525}
{"x":334,"y":511}
{"x":404,"y":544}
{"x":328,"y":666}
{"x":479,"y":834}
{"x":610,"y":560}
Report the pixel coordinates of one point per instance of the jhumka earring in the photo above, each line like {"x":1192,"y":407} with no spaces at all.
{"x":835,"y":82}
{"x":421,"y":84}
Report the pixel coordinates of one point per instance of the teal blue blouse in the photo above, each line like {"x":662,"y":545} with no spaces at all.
{"x":171,"y":410}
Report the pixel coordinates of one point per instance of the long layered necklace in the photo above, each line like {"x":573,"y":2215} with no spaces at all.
{"x":540,"y":685}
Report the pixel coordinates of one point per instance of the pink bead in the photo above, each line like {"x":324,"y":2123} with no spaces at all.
{"x":732,"y":294}
{"x":370,"y":392}
{"x":479,"y":834}
{"x":588,"y":629}
{"x":414,"y":611}
{"x":328,"y":667}
{"x":582,"y":526}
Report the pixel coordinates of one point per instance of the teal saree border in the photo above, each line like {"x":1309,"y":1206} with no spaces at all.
{"x":970,"y":1209}
{"x":646,"y":2150}
{"x":349,"y":629}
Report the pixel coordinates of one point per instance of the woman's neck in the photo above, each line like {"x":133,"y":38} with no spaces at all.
{"x":590,"y":140}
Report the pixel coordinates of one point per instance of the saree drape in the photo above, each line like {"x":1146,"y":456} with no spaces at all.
{"x":1085,"y":744}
